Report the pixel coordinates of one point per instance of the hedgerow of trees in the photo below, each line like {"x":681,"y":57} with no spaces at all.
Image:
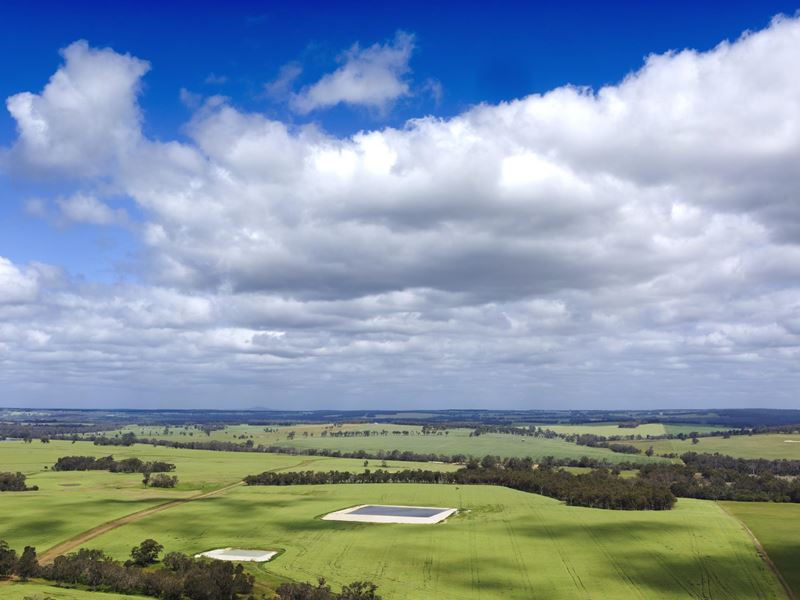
{"x":107,"y":463}
{"x":597,"y":489}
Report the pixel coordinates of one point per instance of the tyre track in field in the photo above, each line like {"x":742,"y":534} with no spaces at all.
{"x":74,"y":542}
{"x":566,"y":563}
{"x":762,"y":553}
{"x":519,"y":557}
{"x":621,"y":572}
{"x":667,"y":568}
{"x":66,"y":546}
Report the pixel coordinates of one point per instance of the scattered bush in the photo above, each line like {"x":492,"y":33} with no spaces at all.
{"x":160,"y":480}
{"x":15,"y":482}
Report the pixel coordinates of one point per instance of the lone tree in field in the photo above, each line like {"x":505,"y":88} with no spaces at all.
{"x":146,"y":553}
{"x":8,"y":560}
{"x":27,"y":565}
{"x":160,"y":480}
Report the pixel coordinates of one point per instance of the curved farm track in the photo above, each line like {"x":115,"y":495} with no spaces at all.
{"x":50,"y":554}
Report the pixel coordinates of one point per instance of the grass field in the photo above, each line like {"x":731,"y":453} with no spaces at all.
{"x":771,"y":445}
{"x":507,"y":544}
{"x":777,"y":527}
{"x":68,"y":503}
{"x":645,"y":429}
{"x":37,"y":591}
{"x":456,"y":441}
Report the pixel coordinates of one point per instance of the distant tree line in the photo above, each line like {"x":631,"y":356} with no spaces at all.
{"x":107,"y":463}
{"x":581,"y":439}
{"x":600,"y":441}
{"x":25,"y":431}
{"x":397,"y":455}
{"x":597,"y":489}
{"x":719,"y":477}
{"x":15,"y":482}
{"x":526,"y":431}
{"x":126,"y":439}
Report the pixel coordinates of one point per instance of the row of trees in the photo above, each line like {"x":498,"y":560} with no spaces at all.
{"x":15,"y":482}
{"x":107,"y":463}
{"x":597,"y":489}
{"x":359,"y":590}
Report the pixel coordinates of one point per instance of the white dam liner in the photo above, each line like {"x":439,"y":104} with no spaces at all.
{"x":380,"y":513}
{"x":238,"y":555}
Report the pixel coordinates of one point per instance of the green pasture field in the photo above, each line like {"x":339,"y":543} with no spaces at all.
{"x":68,"y":503}
{"x":455,"y":441}
{"x":644,"y":430}
{"x":777,"y":527}
{"x":768,"y":445}
{"x":505,"y":544}
{"x":38,"y":591}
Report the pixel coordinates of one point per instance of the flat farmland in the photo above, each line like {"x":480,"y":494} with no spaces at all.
{"x":68,"y":503}
{"x":38,"y":591}
{"x":770,"y":445}
{"x":397,"y":437}
{"x":504,"y":544}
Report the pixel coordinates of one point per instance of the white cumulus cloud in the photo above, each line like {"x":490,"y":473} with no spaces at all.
{"x":83,"y":208}
{"x":638,"y":243}
{"x":85,"y":117}
{"x":17,"y":286}
{"x":371,"y":77}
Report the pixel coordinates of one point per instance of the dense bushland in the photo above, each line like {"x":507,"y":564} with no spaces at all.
{"x":720,"y":477}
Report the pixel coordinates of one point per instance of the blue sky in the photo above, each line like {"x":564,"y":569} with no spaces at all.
{"x":398,"y":204}
{"x":476,"y":53}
